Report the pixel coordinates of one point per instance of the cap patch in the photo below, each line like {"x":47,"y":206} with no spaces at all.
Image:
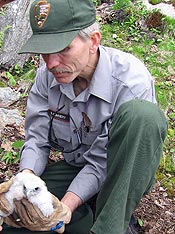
{"x":41,"y":12}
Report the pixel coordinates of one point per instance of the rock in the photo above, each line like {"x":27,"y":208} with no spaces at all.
{"x":10,"y":117}
{"x":15,"y":22}
{"x":154,"y":2}
{"x":165,"y":8}
{"x":8,"y":96}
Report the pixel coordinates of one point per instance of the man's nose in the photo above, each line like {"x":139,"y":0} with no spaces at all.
{"x":53,"y":60}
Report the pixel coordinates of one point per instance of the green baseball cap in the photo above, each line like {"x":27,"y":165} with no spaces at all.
{"x":55,"y":23}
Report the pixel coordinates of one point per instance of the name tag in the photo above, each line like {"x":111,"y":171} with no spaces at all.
{"x":59,"y":116}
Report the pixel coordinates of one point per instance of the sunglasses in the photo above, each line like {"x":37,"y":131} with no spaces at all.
{"x":53,"y":140}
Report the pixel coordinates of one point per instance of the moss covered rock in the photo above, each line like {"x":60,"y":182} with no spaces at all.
{"x":154,"y":2}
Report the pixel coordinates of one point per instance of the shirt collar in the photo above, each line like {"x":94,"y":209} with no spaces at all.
{"x":101,"y":83}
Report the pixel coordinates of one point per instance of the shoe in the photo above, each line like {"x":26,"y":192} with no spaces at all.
{"x":133,"y":226}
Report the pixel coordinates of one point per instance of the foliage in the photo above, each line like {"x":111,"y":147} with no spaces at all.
{"x":96,"y":2}
{"x":140,"y":222}
{"x":11,"y":78}
{"x":20,"y":77}
{"x":2,"y":32}
{"x":120,"y":4}
{"x":165,"y":174}
{"x":10,"y":154}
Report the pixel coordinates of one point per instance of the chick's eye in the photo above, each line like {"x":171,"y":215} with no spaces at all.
{"x":36,"y":189}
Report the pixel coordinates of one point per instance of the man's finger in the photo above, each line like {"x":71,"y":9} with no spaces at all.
{"x":22,"y":212}
{"x":28,"y":211}
{"x":5,"y":206}
{"x":4,"y":187}
{"x":1,"y":221}
{"x":13,"y":220}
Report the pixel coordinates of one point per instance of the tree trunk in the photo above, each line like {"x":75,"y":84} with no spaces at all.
{"x":14,"y":20}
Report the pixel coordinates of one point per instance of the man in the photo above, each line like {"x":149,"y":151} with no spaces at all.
{"x":97,"y":106}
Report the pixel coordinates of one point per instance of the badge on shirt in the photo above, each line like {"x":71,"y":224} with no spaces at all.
{"x":87,"y":124}
{"x":59,"y":116}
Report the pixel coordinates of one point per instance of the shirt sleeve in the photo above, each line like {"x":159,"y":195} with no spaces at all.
{"x":35,"y":152}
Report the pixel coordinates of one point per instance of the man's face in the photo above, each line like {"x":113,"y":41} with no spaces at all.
{"x":71,"y":62}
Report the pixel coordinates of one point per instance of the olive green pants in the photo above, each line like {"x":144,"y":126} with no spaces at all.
{"x":134,"y":150}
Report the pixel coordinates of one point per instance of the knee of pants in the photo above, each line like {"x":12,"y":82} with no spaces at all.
{"x":141,"y":113}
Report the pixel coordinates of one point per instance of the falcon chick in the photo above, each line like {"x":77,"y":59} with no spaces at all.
{"x":34,"y":189}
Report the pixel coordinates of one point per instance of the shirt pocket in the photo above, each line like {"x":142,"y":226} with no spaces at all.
{"x":61,"y":130}
{"x":89,"y":137}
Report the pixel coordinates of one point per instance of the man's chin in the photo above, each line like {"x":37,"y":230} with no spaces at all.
{"x":64,"y":79}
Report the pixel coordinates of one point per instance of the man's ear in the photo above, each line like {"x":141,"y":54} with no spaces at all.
{"x":95,"y":39}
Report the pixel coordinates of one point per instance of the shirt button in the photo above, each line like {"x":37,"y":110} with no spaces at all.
{"x":75,"y":104}
{"x":78,"y":155}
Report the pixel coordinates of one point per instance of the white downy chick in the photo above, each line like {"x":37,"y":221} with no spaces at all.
{"x":34,"y":189}
{"x":36,"y":192}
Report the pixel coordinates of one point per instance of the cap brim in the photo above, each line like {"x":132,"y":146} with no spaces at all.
{"x":48,"y":43}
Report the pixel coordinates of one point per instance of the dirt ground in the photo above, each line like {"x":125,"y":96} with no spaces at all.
{"x":157,"y":212}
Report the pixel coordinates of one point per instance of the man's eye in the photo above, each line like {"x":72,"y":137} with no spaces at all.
{"x":66,"y":49}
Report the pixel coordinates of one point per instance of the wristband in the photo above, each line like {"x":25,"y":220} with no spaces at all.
{"x":58,"y":226}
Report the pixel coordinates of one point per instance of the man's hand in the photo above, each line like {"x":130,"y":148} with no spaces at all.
{"x":29,"y":216}
{"x":4,"y":187}
{"x":5,"y":206}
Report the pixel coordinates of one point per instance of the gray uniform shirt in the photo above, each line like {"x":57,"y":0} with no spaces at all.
{"x":119,"y":77}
